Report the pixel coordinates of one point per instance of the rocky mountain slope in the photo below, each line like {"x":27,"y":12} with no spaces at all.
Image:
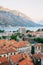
{"x":15,"y":18}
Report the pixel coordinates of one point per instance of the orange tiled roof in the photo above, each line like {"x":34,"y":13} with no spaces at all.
{"x":15,"y":58}
{"x":12,"y":41}
{"x":2,"y":42}
{"x":4,"y":61}
{"x":38,"y":55}
{"x":38,"y":44}
{"x":25,"y":62}
{"x":20,"y":44}
{"x":8,"y":50}
{"x":18,"y":57}
{"x":11,"y":47}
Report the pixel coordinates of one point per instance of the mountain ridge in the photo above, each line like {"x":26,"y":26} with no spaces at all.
{"x":15,"y":18}
{"x":41,"y":22}
{"x":18,"y":13}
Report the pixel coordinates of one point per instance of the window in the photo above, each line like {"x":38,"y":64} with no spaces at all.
{"x":4,"y":55}
{"x":11,"y":53}
{"x":38,"y":47}
{"x":0,"y":56}
{"x":14,"y":53}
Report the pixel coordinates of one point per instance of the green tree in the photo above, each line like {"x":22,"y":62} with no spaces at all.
{"x":4,"y":37}
{"x":27,"y":31}
{"x":14,"y":37}
{"x":32,"y":50}
{"x":29,"y":35}
{"x":0,"y":37}
{"x":39,"y":40}
{"x":1,"y":31}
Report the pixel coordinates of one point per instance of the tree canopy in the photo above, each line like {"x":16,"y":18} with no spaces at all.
{"x":39,"y":40}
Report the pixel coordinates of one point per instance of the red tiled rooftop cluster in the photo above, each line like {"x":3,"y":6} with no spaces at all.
{"x":7,"y":46}
{"x":4,"y":61}
{"x":21,"y":59}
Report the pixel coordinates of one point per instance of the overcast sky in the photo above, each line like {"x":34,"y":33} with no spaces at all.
{"x":32,"y":8}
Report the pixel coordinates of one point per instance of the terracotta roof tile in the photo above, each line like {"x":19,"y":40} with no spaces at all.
{"x":38,"y":55}
{"x":15,"y":58}
{"x":21,"y":59}
{"x":4,"y":61}
{"x":38,"y":44}
{"x":25,"y":62}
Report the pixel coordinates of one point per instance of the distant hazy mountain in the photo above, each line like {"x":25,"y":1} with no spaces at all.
{"x":41,"y":22}
{"x":15,"y":18}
